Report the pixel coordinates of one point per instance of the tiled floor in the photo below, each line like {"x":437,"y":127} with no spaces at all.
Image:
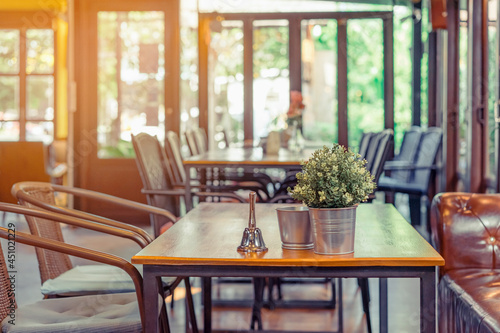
{"x":403,"y":294}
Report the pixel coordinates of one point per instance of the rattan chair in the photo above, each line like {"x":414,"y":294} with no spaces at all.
{"x":58,"y":276}
{"x":97,"y":313}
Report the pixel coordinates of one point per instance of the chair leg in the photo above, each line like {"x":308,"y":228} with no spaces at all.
{"x":278,"y":285}
{"x":257,"y":303}
{"x":190,"y":313}
{"x":334,"y":294}
{"x":164,"y":324}
{"x":365,"y":296}
{"x":270,"y":297}
{"x":415,"y":214}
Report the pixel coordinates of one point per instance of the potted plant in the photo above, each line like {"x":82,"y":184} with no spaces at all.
{"x":332,"y":183}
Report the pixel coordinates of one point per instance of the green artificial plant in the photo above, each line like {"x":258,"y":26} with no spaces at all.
{"x":333,"y":177}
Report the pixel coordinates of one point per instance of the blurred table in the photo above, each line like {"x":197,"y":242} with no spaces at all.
{"x":204,"y":242}
{"x":247,"y":158}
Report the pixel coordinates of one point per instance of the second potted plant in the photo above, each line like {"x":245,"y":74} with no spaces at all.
{"x":332,"y":183}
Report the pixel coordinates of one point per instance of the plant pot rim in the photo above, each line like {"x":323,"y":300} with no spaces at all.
{"x":341,"y":208}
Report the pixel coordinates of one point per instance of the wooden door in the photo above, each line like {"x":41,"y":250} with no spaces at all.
{"x":127,"y":69}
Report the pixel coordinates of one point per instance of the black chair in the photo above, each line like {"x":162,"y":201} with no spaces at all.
{"x":407,"y":153}
{"x":364,"y":143}
{"x":379,"y":148}
{"x":420,"y":173}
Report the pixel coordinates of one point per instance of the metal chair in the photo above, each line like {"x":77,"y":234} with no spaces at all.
{"x":407,"y":153}
{"x":378,"y":150}
{"x":219,"y":186}
{"x":162,"y":178}
{"x":58,"y":276}
{"x":194,"y":146}
{"x":364,"y":143}
{"x":113,"y":313}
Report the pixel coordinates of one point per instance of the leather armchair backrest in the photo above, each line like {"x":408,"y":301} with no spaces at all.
{"x":465,"y":229}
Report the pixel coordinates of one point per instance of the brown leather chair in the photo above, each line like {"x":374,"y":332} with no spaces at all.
{"x":465,"y":229}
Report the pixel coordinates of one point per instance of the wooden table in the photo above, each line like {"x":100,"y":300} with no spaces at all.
{"x":242,"y":158}
{"x":204,"y":242}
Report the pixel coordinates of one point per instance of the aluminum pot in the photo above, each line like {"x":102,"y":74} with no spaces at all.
{"x":295,"y":227}
{"x":333,"y":229}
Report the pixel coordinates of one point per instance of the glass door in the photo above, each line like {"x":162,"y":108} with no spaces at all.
{"x":131,"y":79}
{"x":127,"y":82}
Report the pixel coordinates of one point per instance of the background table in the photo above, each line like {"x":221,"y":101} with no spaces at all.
{"x":248,"y":158}
{"x":204,"y":242}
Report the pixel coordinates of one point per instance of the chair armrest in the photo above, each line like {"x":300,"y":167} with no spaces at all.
{"x":115,"y":200}
{"x":19,"y":192}
{"x":404,"y":166}
{"x":76,"y":221}
{"x":220,"y":194}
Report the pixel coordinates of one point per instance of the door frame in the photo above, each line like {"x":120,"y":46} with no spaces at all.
{"x":108,"y":175}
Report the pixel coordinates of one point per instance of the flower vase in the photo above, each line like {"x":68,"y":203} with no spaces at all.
{"x":296,"y":142}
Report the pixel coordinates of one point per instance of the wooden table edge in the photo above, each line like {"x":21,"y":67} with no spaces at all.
{"x":369,"y":262}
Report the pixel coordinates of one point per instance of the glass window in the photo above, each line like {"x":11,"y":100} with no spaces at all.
{"x":9,"y":51}
{"x":40,"y":51}
{"x":39,"y":131}
{"x":9,"y":98}
{"x":271,"y":83}
{"x":40,"y":97}
{"x":365,"y":78}
{"x":35,"y":81}
{"x":225,"y":79}
{"x":319,"y":80}
{"x":189,"y":108}
{"x":403,"y":36}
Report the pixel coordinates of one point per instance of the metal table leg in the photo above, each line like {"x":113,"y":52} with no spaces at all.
{"x":207,"y":304}
{"x":383,"y":305}
{"x":428,"y":302}
{"x":150,"y":300}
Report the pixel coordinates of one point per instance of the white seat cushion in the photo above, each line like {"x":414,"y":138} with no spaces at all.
{"x":89,"y":280}
{"x":97,"y":313}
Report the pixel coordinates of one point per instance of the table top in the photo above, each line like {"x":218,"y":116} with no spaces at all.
{"x":248,"y":156}
{"x":210,"y":234}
